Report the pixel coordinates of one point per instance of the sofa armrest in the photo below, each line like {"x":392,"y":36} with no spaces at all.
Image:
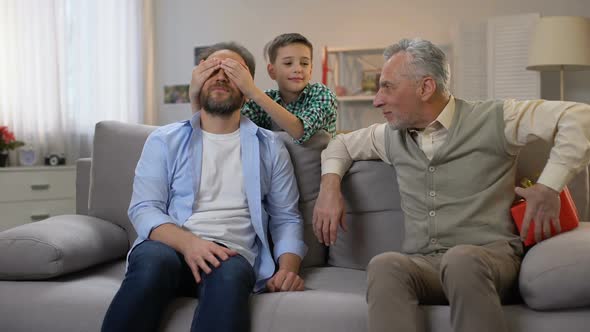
{"x":59,"y":245}
{"x":82,"y":185}
{"x":555,"y":273}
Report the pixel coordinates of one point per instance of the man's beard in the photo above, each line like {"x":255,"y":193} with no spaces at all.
{"x":222,"y":108}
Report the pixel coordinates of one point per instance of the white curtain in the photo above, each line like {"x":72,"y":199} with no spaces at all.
{"x":67,"y":64}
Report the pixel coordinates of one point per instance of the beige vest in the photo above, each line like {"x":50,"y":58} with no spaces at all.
{"x":463,"y":195}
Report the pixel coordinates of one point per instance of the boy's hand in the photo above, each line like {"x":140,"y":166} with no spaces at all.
{"x":240,"y":75}
{"x":285,"y":281}
{"x":200,"y":74}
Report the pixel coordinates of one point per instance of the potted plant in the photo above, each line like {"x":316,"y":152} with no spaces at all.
{"x":7,"y":142}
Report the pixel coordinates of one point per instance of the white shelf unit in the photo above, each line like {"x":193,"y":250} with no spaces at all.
{"x":353,"y":74}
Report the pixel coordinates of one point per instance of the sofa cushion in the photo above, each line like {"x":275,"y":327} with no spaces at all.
{"x":555,"y":273}
{"x":306,"y":159}
{"x":117,"y":148}
{"x":57,"y":246}
{"x":71,"y":303}
{"x":335,"y":279}
{"x":373,"y":215}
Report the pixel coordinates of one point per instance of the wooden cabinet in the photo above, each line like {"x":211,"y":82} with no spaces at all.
{"x":29,"y":194}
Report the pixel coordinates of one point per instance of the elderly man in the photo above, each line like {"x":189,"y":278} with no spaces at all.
{"x":206,"y":194}
{"x":455,"y":163}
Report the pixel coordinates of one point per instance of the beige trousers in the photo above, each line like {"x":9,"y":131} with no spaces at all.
{"x":472,"y":279}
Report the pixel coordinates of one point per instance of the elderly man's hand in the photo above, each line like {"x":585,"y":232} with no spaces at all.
{"x":200,"y":74}
{"x":542,"y":206}
{"x":328,"y":212}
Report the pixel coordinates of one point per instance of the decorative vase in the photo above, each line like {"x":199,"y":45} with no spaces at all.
{"x":3,"y":158}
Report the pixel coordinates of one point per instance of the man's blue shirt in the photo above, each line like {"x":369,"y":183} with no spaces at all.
{"x":167,"y":179}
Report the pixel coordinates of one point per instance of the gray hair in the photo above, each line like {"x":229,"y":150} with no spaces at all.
{"x":426,"y":59}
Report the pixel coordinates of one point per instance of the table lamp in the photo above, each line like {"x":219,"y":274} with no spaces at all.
{"x":560,"y":43}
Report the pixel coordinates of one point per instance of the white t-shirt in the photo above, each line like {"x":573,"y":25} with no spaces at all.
{"x":221,"y":211}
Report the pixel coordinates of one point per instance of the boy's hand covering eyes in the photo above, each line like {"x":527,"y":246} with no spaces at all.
{"x":239,"y":74}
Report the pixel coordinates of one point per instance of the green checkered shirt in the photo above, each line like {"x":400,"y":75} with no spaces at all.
{"x":315,"y":107}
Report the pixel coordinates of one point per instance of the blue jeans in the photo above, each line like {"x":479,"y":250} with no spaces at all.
{"x":157,"y":274}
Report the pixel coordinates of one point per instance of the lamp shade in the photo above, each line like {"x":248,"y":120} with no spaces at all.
{"x":560,"y":42}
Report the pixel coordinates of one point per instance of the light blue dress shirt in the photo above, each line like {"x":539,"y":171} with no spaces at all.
{"x":167,"y":180}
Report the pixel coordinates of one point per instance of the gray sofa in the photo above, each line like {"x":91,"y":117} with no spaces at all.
{"x":60,"y":274}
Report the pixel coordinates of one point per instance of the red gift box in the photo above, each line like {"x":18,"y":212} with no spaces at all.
{"x":568,"y":217}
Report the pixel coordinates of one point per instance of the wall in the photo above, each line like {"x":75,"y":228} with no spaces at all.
{"x":182,"y":24}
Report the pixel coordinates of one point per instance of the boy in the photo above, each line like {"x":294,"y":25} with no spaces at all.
{"x":298,"y":107}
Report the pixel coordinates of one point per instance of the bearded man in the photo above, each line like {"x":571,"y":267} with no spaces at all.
{"x":207,"y":194}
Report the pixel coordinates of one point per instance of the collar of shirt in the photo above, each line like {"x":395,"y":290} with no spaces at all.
{"x":245,"y":124}
{"x":444,"y":120}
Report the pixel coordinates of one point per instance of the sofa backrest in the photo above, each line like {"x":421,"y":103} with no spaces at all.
{"x":306,"y":160}
{"x":373,"y":215}
{"x":117,"y":148}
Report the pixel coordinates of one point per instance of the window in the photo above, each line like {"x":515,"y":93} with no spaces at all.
{"x":67,"y":64}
